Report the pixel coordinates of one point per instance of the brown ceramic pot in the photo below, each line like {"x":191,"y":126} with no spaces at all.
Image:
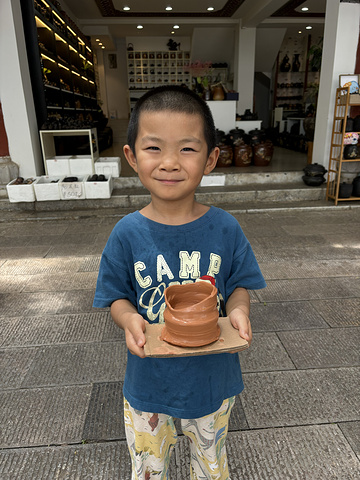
{"x":263,"y":153}
{"x":191,"y":315}
{"x":225,"y":157}
{"x":242,"y":155}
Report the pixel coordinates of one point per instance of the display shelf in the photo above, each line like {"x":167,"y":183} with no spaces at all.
{"x":342,"y":103}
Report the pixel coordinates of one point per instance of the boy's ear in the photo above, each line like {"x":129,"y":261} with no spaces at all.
{"x":211,"y":161}
{"x":130,"y":157}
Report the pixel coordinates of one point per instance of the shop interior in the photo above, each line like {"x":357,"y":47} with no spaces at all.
{"x":94,"y":79}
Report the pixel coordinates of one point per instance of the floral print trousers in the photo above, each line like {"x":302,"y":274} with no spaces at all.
{"x":151,"y":437}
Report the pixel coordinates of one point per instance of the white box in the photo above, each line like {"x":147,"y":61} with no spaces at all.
{"x":46,"y":190}
{"x":108,"y":166}
{"x":73,"y":190}
{"x":81,"y":165}
{"x":99,"y":189}
{"x":58,"y":165}
{"x":21,"y":193}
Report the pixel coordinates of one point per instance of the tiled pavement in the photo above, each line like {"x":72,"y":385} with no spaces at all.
{"x":63,"y":363}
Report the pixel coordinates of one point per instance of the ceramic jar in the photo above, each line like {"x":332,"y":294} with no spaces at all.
{"x":218,"y":92}
{"x":356,"y":186}
{"x":242,"y":154}
{"x":263,"y":153}
{"x":225,"y":157}
{"x":350,"y":152}
{"x":345,"y":190}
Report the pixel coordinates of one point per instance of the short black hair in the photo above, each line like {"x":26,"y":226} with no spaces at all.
{"x":173,"y":98}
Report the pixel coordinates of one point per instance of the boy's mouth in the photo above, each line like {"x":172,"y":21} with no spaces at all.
{"x":168,"y":181}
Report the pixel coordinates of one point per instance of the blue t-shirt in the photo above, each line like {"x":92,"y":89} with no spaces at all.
{"x":142,"y":258}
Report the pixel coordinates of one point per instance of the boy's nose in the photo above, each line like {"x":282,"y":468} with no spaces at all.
{"x":170,"y":162}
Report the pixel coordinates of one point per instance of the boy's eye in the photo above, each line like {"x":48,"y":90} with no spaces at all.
{"x":152,"y":148}
{"x":188,"y":149}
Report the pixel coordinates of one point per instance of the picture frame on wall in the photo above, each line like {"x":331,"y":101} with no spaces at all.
{"x":350,"y":80}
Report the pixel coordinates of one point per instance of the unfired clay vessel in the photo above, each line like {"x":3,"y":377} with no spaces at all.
{"x":191,"y":315}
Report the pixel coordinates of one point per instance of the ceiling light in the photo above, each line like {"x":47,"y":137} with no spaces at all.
{"x":299,"y":31}
{"x":304,"y":9}
{"x":210,"y":9}
{"x":103,"y":46}
{"x":98,"y":39}
{"x":309,"y":27}
{"x":139,"y":27}
{"x":168,"y":8}
{"x":172,"y":33}
{"x":176,"y":26}
{"x":126,"y":9}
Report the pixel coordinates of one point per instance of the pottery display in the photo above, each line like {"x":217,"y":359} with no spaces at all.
{"x":191,"y":315}
{"x":256,"y":136}
{"x":218,"y":92}
{"x":313,"y":181}
{"x":314,"y":170}
{"x":285,"y":64}
{"x":296,"y":63}
{"x":236,"y":134}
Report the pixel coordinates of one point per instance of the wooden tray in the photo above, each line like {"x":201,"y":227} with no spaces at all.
{"x":229,"y":341}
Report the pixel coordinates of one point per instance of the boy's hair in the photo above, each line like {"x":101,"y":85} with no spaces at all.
{"x":172,"y":98}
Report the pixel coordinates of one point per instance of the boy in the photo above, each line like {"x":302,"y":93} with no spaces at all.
{"x":174,"y":240}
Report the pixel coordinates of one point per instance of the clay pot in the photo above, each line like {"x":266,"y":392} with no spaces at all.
{"x":351,"y":151}
{"x":345,"y":190}
{"x":218,"y":92}
{"x":349,"y":127}
{"x":263,"y":153}
{"x":313,"y":181}
{"x":256,"y":136}
{"x":285,"y":64}
{"x":191,"y":315}
{"x":225,"y":157}
{"x":220,"y":137}
{"x":356,"y":186}
{"x":242,"y":154}
{"x":236,"y":134}
{"x":314,"y":170}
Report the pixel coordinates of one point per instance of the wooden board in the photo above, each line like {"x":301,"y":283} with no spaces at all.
{"x":229,"y":341}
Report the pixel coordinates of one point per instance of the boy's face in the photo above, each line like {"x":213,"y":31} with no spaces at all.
{"x":171,"y":154}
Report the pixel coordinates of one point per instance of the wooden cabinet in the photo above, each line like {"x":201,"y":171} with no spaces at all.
{"x":343,"y":101}
{"x":61,"y":64}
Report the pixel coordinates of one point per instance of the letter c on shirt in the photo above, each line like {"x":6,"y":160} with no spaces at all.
{"x":143,"y":282}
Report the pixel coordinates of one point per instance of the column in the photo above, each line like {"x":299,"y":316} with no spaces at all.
{"x":341,"y":36}
{"x":245,"y":68}
{"x":16,"y":92}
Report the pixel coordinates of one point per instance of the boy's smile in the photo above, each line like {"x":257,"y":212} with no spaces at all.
{"x":171,"y":155}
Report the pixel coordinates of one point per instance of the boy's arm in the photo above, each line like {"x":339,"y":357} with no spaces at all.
{"x":238,"y":310}
{"x":126,"y":317}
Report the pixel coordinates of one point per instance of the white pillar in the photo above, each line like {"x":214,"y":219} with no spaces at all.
{"x":245,"y":68}
{"x":16,"y":92}
{"x":341,"y":36}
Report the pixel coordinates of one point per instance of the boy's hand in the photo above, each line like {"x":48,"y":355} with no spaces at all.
{"x":241,"y":322}
{"x":134,"y":334}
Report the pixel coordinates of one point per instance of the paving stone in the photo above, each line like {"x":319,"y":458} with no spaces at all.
{"x":275,"y":399}
{"x":43,"y":416}
{"x":24,"y":252}
{"x":265,"y":354}
{"x":106,"y":461}
{"x":299,"y":252}
{"x":20,"y":304}
{"x":353,"y":284}
{"x":237,"y":419}
{"x":105,"y":416}
{"x":309,"y":269}
{"x":77,"y":364}
{"x":254,"y":231}
{"x":341,"y":240}
{"x":285,"y":316}
{"x":299,"y":453}
{"x":351,"y":430}
{"x":40,"y":265}
{"x":112,"y":332}
{"x":74,"y":250}
{"x":6,"y":242}
{"x":335,"y":347}
{"x":13,"y":284}
{"x":7,"y":324}
{"x":286,"y":241}
{"x":303,"y":289}
{"x":15,"y":363}
{"x":321,"y":229}
{"x":61,"y":281}
{"x":77,"y":301}
{"x":340,"y":312}
{"x":90,"y":264}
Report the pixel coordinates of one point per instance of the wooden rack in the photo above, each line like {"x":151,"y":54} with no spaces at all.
{"x":342,"y":102}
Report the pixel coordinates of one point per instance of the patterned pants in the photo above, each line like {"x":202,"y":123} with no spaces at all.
{"x":151,"y":437}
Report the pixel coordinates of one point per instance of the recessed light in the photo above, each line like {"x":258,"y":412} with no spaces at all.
{"x":176,"y":26}
{"x":304,"y":9}
{"x":309,"y":27}
{"x":103,"y":46}
{"x":299,"y":31}
{"x":100,"y":43}
{"x":139,"y":27}
{"x":172,"y":33}
{"x":210,"y":9}
{"x":98,"y":39}
{"x":168,"y":8}
{"x":126,"y":9}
